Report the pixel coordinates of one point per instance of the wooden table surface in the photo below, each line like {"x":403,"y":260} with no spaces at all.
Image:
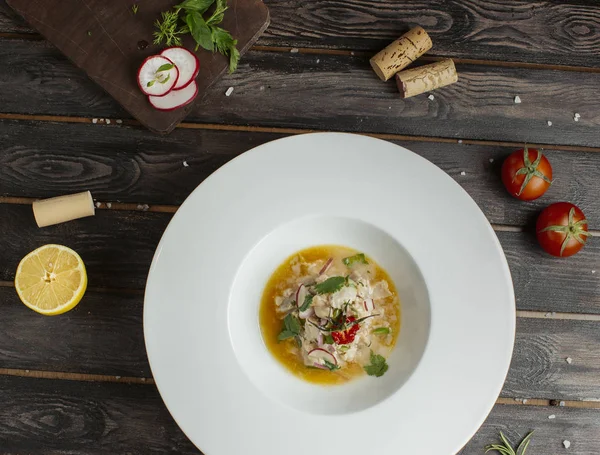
{"x":81,"y":384}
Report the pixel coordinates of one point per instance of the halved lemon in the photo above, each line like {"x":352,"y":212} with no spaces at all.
{"x":51,"y":280}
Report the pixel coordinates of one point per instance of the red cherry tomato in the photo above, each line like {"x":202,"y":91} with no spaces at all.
{"x":562,"y":229}
{"x":526,"y":174}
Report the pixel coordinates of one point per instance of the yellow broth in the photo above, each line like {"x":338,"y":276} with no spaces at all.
{"x":271,"y":323}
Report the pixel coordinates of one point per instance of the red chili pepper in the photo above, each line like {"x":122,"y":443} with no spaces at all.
{"x":346,"y":336}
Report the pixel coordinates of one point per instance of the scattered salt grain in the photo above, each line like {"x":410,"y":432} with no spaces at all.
{"x":352,"y":53}
{"x":98,"y":204}
{"x":119,"y":121}
{"x":567,"y":444}
{"x":552,"y":416}
{"x":460,"y":141}
{"x":143,"y":379}
{"x":318,"y":60}
{"x":491,"y":160}
{"x":143,"y":207}
{"x":26,"y":371}
{"x":294,"y":50}
{"x":94,"y":121}
{"x":389,"y":107}
{"x":463,"y":173}
{"x":431,"y":97}
{"x":576,"y":115}
{"x":562,"y":403}
{"x":525,"y":400}
{"x":569,"y":360}
{"x":229,"y":91}
{"x":185,"y":164}
{"x":576,"y":119}
{"x":517,"y":99}
{"x":262,"y":88}
{"x":518,"y":400}
{"x":108,"y":121}
{"x":548,"y":315}
{"x":549,"y":123}
{"x":108,"y":205}
{"x":117,"y":377}
{"x":593,"y":271}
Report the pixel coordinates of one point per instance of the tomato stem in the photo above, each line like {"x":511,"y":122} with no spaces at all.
{"x":530,"y":170}
{"x":573,"y":230}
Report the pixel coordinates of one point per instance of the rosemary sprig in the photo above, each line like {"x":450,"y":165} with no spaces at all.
{"x":506,"y":447}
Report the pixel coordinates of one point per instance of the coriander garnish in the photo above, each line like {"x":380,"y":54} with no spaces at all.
{"x":134,"y":9}
{"x":191,"y":17}
{"x":378,"y":366}
{"x":291,"y":327}
{"x":506,"y":447}
{"x":382,"y":331}
{"x":330,"y":285}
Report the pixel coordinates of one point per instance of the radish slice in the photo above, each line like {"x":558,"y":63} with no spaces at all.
{"x":326,"y":266}
{"x":301,"y":295}
{"x":175,"y":98}
{"x":306,"y":314}
{"x":369,"y":305}
{"x":318,"y":357}
{"x":186,"y":62}
{"x":157,"y":75}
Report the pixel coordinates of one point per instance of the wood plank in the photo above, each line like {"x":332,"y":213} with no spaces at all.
{"x":117,"y":247}
{"x":578,"y":426}
{"x":342,"y":92}
{"x":101,"y":418}
{"x":127,"y":164}
{"x":53,"y":417}
{"x":546,"y":32}
{"x":84,"y":341}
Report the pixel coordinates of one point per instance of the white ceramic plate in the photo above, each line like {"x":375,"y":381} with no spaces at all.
{"x":201,"y":307}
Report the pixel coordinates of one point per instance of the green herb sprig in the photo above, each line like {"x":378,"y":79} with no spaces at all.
{"x":506,"y":447}
{"x":291,"y":327}
{"x":191,"y":17}
{"x":330,"y":285}
{"x":378,"y":366}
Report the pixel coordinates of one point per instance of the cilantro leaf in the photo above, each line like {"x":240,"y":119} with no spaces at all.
{"x":378,"y":366}
{"x":285,"y":334}
{"x":291,"y":328}
{"x":330,"y":285}
{"x":307,"y":301}
{"x":357,"y":258}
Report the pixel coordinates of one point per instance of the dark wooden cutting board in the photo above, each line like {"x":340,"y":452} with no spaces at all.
{"x":108,"y":41}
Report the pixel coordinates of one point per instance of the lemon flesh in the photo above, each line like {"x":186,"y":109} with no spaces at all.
{"x":51,"y":280}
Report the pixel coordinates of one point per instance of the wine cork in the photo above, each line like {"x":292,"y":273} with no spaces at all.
{"x":401,"y":53}
{"x":426,"y":78}
{"x":63,"y":208}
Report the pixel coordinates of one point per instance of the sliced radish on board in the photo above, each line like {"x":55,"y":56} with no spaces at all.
{"x":157,"y":75}
{"x":369,"y":305}
{"x":175,"y":98}
{"x":186,"y":62}
{"x":318,"y":357}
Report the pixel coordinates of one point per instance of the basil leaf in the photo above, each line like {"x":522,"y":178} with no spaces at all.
{"x":165,"y":67}
{"x":330,"y":285}
{"x":357,"y":258}
{"x":382,"y":331}
{"x":200,"y":31}
{"x":307,"y":302}
{"x":199,"y":6}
